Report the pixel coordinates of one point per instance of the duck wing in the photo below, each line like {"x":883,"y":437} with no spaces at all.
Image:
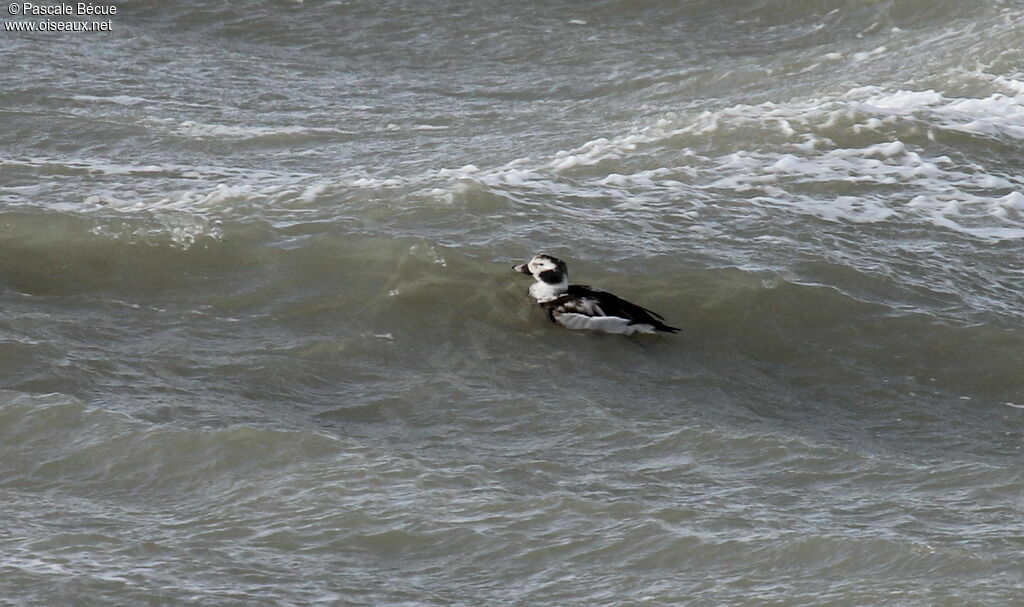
{"x":588,"y":301}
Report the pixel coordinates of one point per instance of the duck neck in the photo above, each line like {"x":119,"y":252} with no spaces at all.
{"x":543,"y":290}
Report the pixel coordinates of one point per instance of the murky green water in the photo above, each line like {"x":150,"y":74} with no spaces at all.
{"x":262,"y":343}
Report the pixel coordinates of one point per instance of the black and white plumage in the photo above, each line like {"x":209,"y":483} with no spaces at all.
{"x":584,"y":307}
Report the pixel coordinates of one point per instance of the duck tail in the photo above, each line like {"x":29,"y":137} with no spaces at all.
{"x":666,"y":328}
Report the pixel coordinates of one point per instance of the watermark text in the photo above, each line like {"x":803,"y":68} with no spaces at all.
{"x":69,"y":9}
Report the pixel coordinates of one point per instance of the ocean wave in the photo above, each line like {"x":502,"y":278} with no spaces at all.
{"x":57,"y":440}
{"x":294,"y":133}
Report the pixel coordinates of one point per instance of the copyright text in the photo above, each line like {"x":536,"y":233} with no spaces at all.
{"x":78,"y":9}
{"x":75,"y":9}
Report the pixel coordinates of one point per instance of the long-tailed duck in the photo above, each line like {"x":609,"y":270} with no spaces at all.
{"x":583,"y":307}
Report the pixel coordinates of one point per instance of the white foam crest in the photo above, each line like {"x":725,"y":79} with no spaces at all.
{"x":883,"y":163}
{"x":1011,"y":84}
{"x":790,"y":120}
{"x":461,"y":173}
{"x":863,"y":56}
{"x":592,"y":152}
{"x":775,"y":178}
{"x":655,"y":183}
{"x":852,"y":209}
{"x":99,"y":166}
{"x":222,"y":195}
{"x":131,"y":100}
{"x":998,"y":115}
{"x":198,"y":130}
{"x":1012,"y":201}
{"x":969,"y":214}
{"x":949,"y":188}
{"x":778,"y":181}
{"x":876,"y":99}
{"x":958,"y":211}
{"x":899,"y":178}
{"x":115,"y":99}
{"x":372,"y":183}
{"x":180,"y":230}
{"x":601,"y":149}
